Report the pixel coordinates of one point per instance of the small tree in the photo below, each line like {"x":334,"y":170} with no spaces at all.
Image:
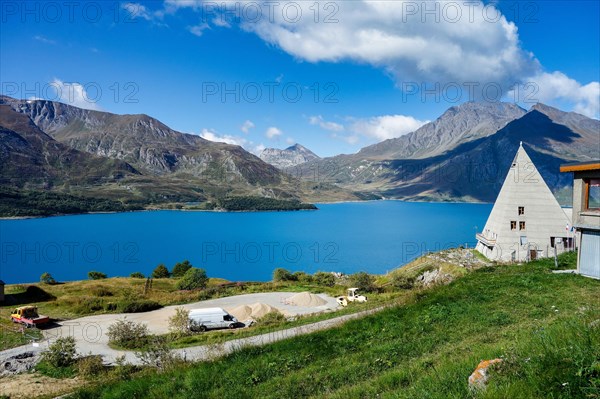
{"x":161,"y":271}
{"x":325,"y":279}
{"x":47,"y":278}
{"x":93,"y":275}
{"x":179,"y":323}
{"x":61,"y":353}
{"x":193,"y":279}
{"x":180,"y":268}
{"x":136,"y":275}
{"x":281,"y":274}
{"x":128,"y":334}
{"x":363,"y":281}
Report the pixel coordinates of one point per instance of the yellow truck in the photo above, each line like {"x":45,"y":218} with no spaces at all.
{"x":28,"y":315}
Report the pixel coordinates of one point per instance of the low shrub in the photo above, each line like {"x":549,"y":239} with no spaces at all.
{"x":139,"y":306}
{"x":137,"y":275}
{"x":363,"y":281}
{"x":324,"y":279}
{"x":93,"y":275}
{"x":281,"y":274}
{"x":158,"y":354}
{"x":61,"y":353}
{"x":90,"y":366}
{"x":100,"y":291}
{"x":271,"y":319}
{"x":87,"y":305}
{"x":179,"y":323}
{"x":303,"y":277}
{"x":403,"y":282}
{"x":128,"y":334}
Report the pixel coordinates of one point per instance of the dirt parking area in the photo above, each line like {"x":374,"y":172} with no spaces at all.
{"x":90,"y":332}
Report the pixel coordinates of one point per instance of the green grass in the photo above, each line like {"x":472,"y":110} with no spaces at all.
{"x":545,"y":325}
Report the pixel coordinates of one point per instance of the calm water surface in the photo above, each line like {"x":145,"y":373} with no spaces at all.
{"x":346,"y":237}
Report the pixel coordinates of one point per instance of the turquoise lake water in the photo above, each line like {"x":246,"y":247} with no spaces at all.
{"x":346,"y":237}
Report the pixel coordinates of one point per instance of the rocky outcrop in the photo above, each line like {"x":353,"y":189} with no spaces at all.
{"x":433,"y":277}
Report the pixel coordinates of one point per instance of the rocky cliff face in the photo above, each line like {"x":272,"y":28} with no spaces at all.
{"x":146,"y":143}
{"x":289,"y":157}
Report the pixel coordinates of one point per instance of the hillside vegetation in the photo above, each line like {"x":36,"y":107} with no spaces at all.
{"x":545,"y":326}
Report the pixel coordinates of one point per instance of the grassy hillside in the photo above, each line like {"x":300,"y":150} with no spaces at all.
{"x":546,"y":326}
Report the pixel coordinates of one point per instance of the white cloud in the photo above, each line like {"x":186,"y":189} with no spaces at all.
{"x":290,"y":140}
{"x":331,"y":126}
{"x":273,"y":132}
{"x":44,"y":39}
{"x":386,"y":126}
{"x":258,"y":149}
{"x":556,"y":86}
{"x":227,"y":139}
{"x":246,"y":126}
{"x":350,"y":139}
{"x":435,"y":44}
{"x":75,"y":94}
{"x":198,"y":30}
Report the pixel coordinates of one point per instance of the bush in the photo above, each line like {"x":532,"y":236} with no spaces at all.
{"x":161,"y":271}
{"x":61,"y":353}
{"x":86,"y":305}
{"x":281,"y":274}
{"x":325,"y":279}
{"x":47,"y":278}
{"x":128,"y":334}
{"x":158,"y":354}
{"x":271,"y":319}
{"x":139,"y":306}
{"x":181,"y":268}
{"x":302,"y":277}
{"x":100,"y":291}
{"x":93,"y":275}
{"x":193,"y":279}
{"x":363,"y":281}
{"x":403,"y":282}
{"x":179,"y":323}
{"x":123,"y":371}
{"x":90,"y":366}
{"x":136,"y":275}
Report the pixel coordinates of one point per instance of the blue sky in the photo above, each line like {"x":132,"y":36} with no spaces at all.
{"x":349,"y":76}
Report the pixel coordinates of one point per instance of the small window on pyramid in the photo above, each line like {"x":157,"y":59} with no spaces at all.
{"x":521,"y":225}
{"x":513,"y":225}
{"x":521,"y":210}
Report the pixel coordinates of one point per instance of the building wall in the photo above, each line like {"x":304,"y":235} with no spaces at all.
{"x":581,"y":217}
{"x":588,"y":227}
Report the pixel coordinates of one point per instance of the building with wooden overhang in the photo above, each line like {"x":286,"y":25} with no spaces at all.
{"x":586,"y":215}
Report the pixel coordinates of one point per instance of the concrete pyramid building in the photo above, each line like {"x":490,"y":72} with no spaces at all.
{"x":526,"y":221}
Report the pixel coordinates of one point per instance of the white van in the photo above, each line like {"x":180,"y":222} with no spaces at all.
{"x":209,"y":318}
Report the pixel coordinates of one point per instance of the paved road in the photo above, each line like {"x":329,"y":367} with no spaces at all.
{"x":90,"y":332}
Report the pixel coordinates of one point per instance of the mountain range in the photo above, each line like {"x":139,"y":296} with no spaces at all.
{"x":461,"y":156}
{"x":464,"y":155}
{"x":47,"y":145}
